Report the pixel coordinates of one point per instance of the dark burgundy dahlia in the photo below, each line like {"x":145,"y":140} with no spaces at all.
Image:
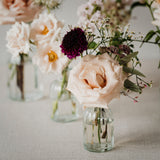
{"x":74,"y":43}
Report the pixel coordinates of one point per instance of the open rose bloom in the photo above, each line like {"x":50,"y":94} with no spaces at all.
{"x":18,"y":10}
{"x":96,"y":80}
{"x":18,"y":39}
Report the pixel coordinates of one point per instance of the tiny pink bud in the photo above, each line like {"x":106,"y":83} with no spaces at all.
{"x":135,"y":101}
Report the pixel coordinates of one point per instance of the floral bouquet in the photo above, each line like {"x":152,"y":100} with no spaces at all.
{"x":107,"y":69}
{"x":97,"y":10}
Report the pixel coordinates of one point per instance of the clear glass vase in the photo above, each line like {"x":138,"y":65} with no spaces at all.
{"x":65,"y":107}
{"x":98,"y":129}
{"x":24,"y":82}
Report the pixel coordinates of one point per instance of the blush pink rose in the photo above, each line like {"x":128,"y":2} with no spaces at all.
{"x":96,"y":80}
{"x":18,"y":39}
{"x":18,"y":10}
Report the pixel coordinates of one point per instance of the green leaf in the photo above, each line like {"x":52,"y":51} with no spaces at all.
{"x":136,"y":4}
{"x":98,"y":53}
{"x":115,"y":43}
{"x":96,"y":8}
{"x":10,"y":66}
{"x":149,"y":35}
{"x":132,"y":86}
{"x":132,"y":71}
{"x":117,"y":34}
{"x":92,"y":45}
{"x":157,"y":39}
{"x":55,"y":107}
{"x":128,"y":58}
{"x":159,"y":65}
{"x":158,"y":31}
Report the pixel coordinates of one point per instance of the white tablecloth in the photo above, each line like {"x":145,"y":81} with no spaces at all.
{"x":28,"y":133}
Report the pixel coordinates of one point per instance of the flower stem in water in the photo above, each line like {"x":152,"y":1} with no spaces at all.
{"x":63,"y":84}
{"x":20,"y":76}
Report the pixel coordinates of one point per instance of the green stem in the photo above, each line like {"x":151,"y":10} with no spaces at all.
{"x":63,"y":84}
{"x":20,"y":75}
{"x":11,"y":67}
{"x":150,"y":9}
{"x":136,"y":40}
{"x":99,"y":125}
{"x":73,"y":103}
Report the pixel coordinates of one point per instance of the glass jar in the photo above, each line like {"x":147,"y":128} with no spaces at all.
{"x":24,"y":80}
{"x":98,"y":129}
{"x":65,"y":107}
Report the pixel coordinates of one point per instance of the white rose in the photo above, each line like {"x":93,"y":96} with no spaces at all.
{"x":18,"y":39}
{"x":50,"y":59}
{"x":96,"y":80}
{"x":45,"y":29}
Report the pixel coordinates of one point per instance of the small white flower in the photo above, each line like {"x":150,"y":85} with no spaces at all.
{"x":18,"y":39}
{"x":156,"y":14}
{"x":50,"y":59}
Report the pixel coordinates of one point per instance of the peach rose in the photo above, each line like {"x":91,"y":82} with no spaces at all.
{"x":18,"y":10}
{"x":45,"y":29}
{"x":50,"y":59}
{"x":96,"y":80}
{"x":18,"y":39}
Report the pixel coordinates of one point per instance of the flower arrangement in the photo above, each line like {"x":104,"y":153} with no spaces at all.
{"x":107,"y":68}
{"x":97,"y":10}
{"x":105,"y":60}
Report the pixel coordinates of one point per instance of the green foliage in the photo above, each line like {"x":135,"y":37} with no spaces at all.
{"x":117,"y":46}
{"x":92,"y":45}
{"x":128,"y":58}
{"x":159,"y":65}
{"x":157,"y":39}
{"x":96,"y":8}
{"x":149,"y":36}
{"x":132,"y":86}
{"x":132,"y":71}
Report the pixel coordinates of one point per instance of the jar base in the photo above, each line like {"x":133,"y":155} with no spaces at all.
{"x":96,"y":147}
{"x":66,"y":118}
{"x":28,"y":97}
